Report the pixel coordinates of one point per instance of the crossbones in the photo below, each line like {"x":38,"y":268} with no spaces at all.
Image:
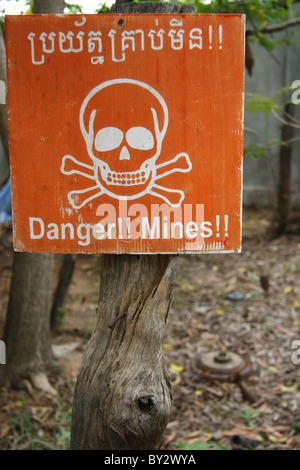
{"x":124,"y":142}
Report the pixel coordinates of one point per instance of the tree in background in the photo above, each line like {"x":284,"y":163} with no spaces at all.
{"x":27,"y":329}
{"x":265,"y":18}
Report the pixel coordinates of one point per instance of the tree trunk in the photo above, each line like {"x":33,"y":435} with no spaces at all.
{"x":27,"y":326}
{"x":284,"y":186}
{"x":48,"y":6}
{"x":65,"y":278}
{"x":27,"y":329}
{"x":123,"y":394}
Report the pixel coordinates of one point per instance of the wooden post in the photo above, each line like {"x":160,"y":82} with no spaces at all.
{"x":123,"y":394}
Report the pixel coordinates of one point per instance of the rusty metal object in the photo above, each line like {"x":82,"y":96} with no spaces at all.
{"x":222,"y":365}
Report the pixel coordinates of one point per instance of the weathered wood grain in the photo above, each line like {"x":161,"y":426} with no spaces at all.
{"x":123,"y":394}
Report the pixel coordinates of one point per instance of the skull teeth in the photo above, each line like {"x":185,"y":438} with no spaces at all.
{"x":132,"y":178}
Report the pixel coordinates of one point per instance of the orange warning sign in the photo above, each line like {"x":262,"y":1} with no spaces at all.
{"x":126,"y":132}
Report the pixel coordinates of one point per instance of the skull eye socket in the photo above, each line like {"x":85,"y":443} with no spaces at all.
{"x":140,"y":138}
{"x":108,"y":138}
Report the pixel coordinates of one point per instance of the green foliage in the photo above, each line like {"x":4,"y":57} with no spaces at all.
{"x":62,"y":432}
{"x":29,"y":9}
{"x":296,"y":427}
{"x":29,"y":4}
{"x":259,"y":150}
{"x":259,"y":14}
{"x":249,"y":417}
{"x":59,"y":319}
{"x":73,"y":8}
{"x":103,"y":8}
{"x":255,"y":103}
{"x":198,"y":446}
{"x":269,"y":44}
{"x":255,"y":151}
{"x":26,"y":430}
{"x":22,"y":423}
{"x":262,"y":11}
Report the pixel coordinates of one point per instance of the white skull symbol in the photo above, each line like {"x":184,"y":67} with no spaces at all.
{"x":123,"y":123}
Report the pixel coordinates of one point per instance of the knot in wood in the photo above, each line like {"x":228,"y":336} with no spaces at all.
{"x":145,"y":404}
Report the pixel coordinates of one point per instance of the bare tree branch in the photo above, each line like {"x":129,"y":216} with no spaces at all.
{"x":272,"y":146}
{"x":284,"y":121}
{"x":275,"y":28}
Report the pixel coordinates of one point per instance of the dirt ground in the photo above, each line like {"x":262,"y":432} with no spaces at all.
{"x":247,"y":304}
